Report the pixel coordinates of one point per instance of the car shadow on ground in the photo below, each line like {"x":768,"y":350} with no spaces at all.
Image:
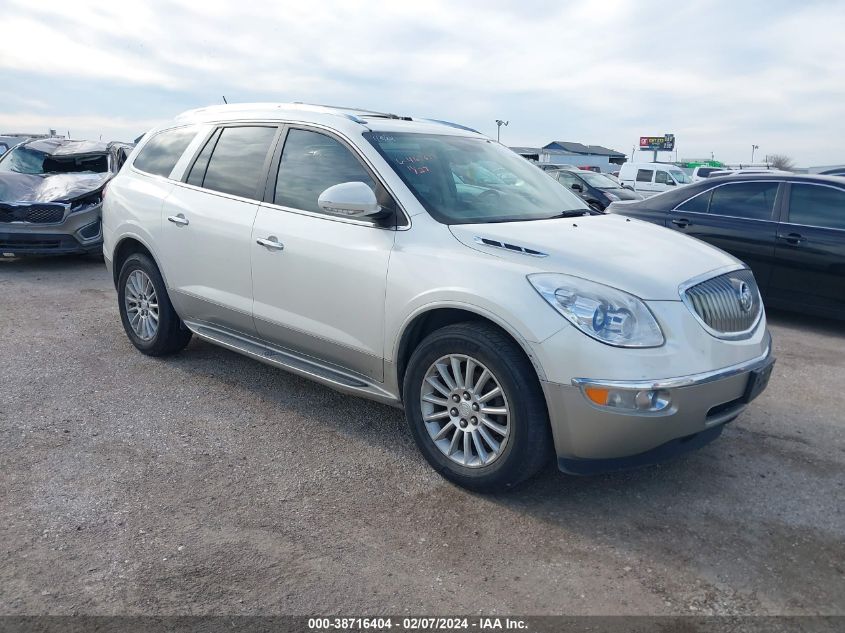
{"x":749,"y":500}
{"x":748,"y":505}
{"x":54,"y":263}
{"x":807,"y":323}
{"x":370,"y":422}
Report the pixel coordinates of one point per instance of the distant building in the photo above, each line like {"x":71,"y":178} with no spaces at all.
{"x":24,"y":135}
{"x":820,"y":168}
{"x":566,"y":153}
{"x":531,"y":153}
{"x":580,"y":155}
{"x":10,"y":139}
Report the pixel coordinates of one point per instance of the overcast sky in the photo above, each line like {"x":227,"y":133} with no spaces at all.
{"x":721,"y":75}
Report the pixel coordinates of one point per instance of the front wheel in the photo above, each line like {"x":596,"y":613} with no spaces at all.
{"x":148,"y":317}
{"x":475,"y":408}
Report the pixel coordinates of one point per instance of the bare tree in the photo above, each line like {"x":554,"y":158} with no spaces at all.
{"x":781,"y":161}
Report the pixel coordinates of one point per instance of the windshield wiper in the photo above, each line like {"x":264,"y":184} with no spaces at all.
{"x":573,"y":213}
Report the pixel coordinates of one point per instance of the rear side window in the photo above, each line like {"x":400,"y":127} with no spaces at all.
{"x":698,"y":204}
{"x":817,"y":206}
{"x":236,"y":163}
{"x":160,"y":155}
{"x":644,"y":175}
{"x":752,"y":200}
{"x":311,"y":163}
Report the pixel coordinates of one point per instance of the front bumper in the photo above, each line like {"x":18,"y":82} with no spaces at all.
{"x":78,"y":232}
{"x":591,"y":438}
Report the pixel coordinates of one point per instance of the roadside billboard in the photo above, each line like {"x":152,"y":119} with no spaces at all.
{"x":665,"y":143}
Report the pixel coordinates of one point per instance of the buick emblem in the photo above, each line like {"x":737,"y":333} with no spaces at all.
{"x":746,"y":299}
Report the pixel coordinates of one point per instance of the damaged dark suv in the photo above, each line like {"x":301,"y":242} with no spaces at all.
{"x":51,"y":193}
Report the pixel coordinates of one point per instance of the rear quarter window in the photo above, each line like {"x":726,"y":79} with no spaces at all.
{"x":814,"y":205}
{"x":161,"y":153}
{"x":644,"y":175}
{"x":696,"y":204}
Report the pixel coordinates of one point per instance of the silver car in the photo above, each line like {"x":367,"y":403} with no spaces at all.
{"x":51,"y":195}
{"x":511,"y":321}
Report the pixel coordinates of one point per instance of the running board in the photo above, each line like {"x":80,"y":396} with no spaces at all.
{"x":292,"y":362}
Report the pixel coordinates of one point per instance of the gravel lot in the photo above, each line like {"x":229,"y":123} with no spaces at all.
{"x":209,"y":483}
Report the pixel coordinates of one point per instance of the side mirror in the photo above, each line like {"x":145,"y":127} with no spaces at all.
{"x":349,"y":199}
{"x":577,"y":187}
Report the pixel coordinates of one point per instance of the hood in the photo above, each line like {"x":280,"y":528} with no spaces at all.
{"x":64,"y":147}
{"x":646,"y":260}
{"x":27,"y":188}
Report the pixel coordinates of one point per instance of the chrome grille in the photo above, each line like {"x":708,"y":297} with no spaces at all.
{"x":728,"y":306}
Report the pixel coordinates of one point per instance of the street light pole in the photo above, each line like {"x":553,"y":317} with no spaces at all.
{"x":753,"y":149}
{"x":499,"y":124}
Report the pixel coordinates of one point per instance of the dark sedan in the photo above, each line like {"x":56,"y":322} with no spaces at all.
{"x":789,"y":229}
{"x":597,"y":190}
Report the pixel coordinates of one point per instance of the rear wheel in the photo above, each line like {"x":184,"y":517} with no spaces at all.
{"x":475,"y":407}
{"x":148,"y":317}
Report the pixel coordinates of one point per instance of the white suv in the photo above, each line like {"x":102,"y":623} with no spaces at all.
{"x":383,"y":256}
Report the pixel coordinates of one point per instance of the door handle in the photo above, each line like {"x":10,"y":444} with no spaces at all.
{"x":792,"y":238}
{"x":682,"y":223}
{"x":180,"y":219}
{"x":271,"y":242}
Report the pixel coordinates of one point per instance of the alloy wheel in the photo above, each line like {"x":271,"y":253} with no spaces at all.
{"x":465,"y":410}
{"x":141,"y":303}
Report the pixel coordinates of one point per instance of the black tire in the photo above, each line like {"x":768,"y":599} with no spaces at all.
{"x":171,"y":335}
{"x":529,"y":446}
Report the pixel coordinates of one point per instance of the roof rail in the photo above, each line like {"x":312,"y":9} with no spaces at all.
{"x":365,"y":111}
{"x":232,"y":107}
{"x":450,"y":124}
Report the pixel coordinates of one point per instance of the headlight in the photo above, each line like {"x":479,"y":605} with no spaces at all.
{"x":604,"y":313}
{"x":86,"y":202}
{"x":612,"y":196}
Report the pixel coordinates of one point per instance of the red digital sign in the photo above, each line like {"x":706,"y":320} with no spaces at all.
{"x":665,"y":143}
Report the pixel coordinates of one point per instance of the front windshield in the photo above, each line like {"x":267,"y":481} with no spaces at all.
{"x":24,"y":160}
{"x":599,"y":181}
{"x":680,"y":177}
{"x":465,"y":180}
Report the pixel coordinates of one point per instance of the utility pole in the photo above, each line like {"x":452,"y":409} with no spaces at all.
{"x":753,"y":149}
{"x":499,"y":124}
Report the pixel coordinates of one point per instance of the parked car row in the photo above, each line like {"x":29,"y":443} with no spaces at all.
{"x":597,"y":190}
{"x":651,"y":178}
{"x":789,"y":229}
{"x":375,"y":254}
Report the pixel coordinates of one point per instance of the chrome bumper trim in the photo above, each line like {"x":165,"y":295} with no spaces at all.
{"x":681,"y":381}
